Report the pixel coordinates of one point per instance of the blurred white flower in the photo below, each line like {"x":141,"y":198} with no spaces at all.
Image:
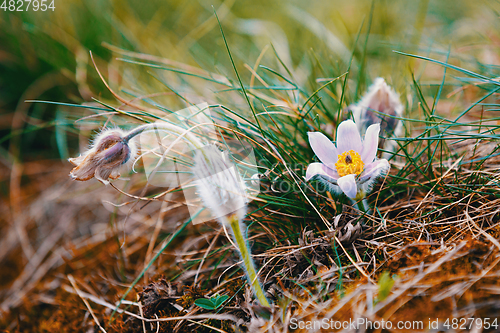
{"x":219,"y":183}
{"x":223,"y":191}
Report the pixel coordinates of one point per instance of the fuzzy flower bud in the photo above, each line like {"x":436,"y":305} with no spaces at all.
{"x":379,"y":105}
{"x":109,"y":151}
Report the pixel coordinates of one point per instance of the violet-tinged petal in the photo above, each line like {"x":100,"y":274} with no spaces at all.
{"x":77,"y":160}
{"x":85,"y":170}
{"x":117,"y":151}
{"x":329,"y":186}
{"x":348,"y":137}
{"x":370,"y":144}
{"x":348,"y":185}
{"x":323,"y":148}
{"x":320,"y":169}
{"x":374,"y":170}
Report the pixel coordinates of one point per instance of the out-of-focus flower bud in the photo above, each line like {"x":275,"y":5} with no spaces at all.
{"x":379,"y":105}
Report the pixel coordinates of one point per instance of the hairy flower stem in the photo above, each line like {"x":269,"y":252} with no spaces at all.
{"x":186,"y":133}
{"x":362,"y":205}
{"x":236,"y":228}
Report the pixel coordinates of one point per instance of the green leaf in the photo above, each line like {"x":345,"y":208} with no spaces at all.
{"x":211,"y":303}
{"x":205,"y":303}
{"x":61,"y":139}
{"x":220,"y":299}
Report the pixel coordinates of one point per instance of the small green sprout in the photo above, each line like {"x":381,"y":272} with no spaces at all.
{"x":211,"y":303}
{"x":385,"y":284}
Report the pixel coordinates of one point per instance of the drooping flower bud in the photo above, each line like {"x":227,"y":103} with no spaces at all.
{"x":109,"y":151}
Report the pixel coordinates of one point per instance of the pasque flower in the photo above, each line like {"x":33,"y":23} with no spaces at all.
{"x":351,"y":165}
{"x":114,"y":147}
{"x":110,"y":150}
{"x":224,"y":193}
{"x":219,"y":184}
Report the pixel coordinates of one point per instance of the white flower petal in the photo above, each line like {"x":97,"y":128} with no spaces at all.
{"x":374,"y":170}
{"x":348,"y":185}
{"x":348,"y":137}
{"x":323,"y":148}
{"x":370,"y":144}
{"x":329,"y":186}
{"x":320,"y":169}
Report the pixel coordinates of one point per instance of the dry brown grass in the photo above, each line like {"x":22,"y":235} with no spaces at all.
{"x":71,"y":254}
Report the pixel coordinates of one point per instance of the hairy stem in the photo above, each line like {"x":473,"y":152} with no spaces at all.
{"x":164,"y":126}
{"x":236,"y":228}
{"x":360,"y":203}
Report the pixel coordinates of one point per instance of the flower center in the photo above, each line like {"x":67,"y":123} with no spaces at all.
{"x":349,"y":163}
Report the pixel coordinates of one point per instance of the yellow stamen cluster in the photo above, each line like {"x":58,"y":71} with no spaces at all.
{"x":349,"y":163}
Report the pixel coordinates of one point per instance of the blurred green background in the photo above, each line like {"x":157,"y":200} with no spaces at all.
{"x":45,"y":55}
